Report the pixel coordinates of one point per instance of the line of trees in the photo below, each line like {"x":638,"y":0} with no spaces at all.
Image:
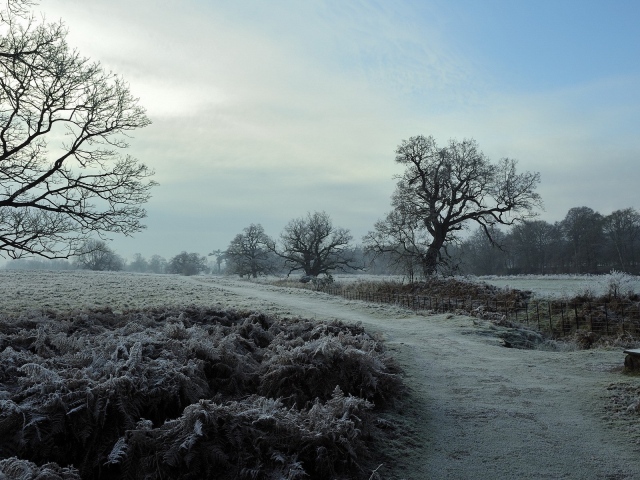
{"x":55,"y":198}
{"x":310,"y":244}
{"x":443,"y":191}
{"x":97,"y":255}
{"x":585,"y":241}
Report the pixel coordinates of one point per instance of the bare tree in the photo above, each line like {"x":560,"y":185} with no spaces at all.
{"x":96,"y":255}
{"x":220,"y":256}
{"x":249,"y":252}
{"x":481,"y":255}
{"x":312,"y":244}
{"x":535,"y":244}
{"x":63,"y":122}
{"x":157,"y":264}
{"x":187,"y":264}
{"x":139,"y":264}
{"x":400,"y":239}
{"x":582,"y":229}
{"x":442,"y":189}
{"x":18,"y":8}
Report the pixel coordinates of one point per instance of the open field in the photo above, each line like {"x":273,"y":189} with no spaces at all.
{"x":475,"y":409}
{"x":556,"y":286}
{"x":83,"y":289}
{"x":542,"y":286}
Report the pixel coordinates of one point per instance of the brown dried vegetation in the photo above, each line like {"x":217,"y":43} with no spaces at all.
{"x":190,"y":393}
{"x":443,"y":288}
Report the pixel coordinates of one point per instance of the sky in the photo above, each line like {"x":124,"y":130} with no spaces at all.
{"x":263,"y":111}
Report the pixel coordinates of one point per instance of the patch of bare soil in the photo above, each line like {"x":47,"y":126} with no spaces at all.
{"x":477,"y":409}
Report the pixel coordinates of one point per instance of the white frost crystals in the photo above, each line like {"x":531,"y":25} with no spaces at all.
{"x":22,"y":291}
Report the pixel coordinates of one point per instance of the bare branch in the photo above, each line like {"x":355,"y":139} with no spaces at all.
{"x":313,"y":245}
{"x":249,"y":253}
{"x":54,"y":194}
{"x":442,"y":189}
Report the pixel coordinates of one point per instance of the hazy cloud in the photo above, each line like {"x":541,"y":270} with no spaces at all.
{"x":265,"y":110}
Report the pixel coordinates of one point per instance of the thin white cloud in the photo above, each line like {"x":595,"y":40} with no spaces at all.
{"x":582,"y":140}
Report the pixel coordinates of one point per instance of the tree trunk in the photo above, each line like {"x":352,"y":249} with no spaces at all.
{"x":430,"y":264}
{"x":432,"y":257}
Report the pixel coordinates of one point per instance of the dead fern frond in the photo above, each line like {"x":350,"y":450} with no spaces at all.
{"x":197,"y":393}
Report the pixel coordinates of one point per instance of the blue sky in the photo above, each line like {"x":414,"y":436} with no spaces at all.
{"x":542,"y":45}
{"x":263,"y":111}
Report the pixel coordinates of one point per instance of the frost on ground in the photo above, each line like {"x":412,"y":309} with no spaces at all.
{"x":474,"y":408}
{"x":566,"y":286}
{"x":190,"y":393}
{"x":623,"y":408}
{"x":61,"y":291}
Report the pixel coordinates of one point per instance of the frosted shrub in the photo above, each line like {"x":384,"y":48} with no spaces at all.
{"x":589,"y":291}
{"x":321,"y":283}
{"x":615,"y":284}
{"x":618,"y":283}
{"x":188,"y":393}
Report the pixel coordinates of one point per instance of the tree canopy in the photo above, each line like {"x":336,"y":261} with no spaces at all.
{"x":312,"y":244}
{"x":187,"y":264}
{"x":96,"y":255}
{"x":443,"y":189}
{"x":249,"y":253}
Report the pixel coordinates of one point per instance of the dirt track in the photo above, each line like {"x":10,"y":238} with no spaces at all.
{"x":477,"y":410}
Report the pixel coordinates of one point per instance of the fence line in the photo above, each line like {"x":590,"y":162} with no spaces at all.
{"x":555,"y":317}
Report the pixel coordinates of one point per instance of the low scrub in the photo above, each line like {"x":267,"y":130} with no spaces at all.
{"x":435,"y":287}
{"x":442,"y":287}
{"x":188,"y":393}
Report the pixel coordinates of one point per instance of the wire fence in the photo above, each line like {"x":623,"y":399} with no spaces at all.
{"x":557,"y":318}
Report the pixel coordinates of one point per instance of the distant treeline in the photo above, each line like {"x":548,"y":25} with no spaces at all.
{"x":102,"y":258}
{"x":584,"y":242}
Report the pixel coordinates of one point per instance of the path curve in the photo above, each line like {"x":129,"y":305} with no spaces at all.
{"x":477,"y":410}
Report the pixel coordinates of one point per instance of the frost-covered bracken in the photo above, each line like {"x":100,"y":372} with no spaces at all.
{"x":189,"y":393}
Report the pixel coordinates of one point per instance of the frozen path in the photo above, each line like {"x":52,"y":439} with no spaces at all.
{"x":477,"y":410}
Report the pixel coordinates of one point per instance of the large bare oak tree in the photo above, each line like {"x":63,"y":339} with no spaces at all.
{"x":249,"y":252}
{"x":64,"y":121}
{"x":444,"y":188}
{"x":312,"y":244}
{"x":96,"y":255}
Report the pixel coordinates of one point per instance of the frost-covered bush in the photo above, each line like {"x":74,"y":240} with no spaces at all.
{"x":16,"y":469}
{"x":322,"y":282}
{"x":588,"y":291}
{"x":618,"y":284}
{"x":302,"y":372}
{"x":168,"y":393}
{"x":252,"y":438}
{"x":614,"y":284}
